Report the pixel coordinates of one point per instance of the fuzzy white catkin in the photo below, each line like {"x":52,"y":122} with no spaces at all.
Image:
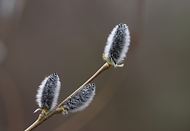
{"x":81,"y":99}
{"x":48,"y":92}
{"x":117,"y":44}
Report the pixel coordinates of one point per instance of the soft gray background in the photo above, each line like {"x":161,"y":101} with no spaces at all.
{"x":150,"y":93}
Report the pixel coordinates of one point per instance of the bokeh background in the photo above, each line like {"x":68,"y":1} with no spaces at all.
{"x":150,"y":93}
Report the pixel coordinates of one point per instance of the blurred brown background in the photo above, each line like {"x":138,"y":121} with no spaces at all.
{"x":150,"y":93}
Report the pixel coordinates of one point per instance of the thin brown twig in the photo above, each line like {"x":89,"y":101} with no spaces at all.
{"x":57,"y":110}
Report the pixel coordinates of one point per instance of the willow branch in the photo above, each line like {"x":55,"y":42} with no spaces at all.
{"x":42,"y":117}
{"x":104,"y":67}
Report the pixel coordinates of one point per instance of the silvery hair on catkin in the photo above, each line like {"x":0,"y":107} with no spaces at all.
{"x":48,"y":92}
{"x":117,"y":44}
{"x":81,"y":99}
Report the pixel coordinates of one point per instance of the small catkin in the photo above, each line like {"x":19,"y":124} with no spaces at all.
{"x":48,"y":92}
{"x":81,"y":99}
{"x":117,"y":45}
